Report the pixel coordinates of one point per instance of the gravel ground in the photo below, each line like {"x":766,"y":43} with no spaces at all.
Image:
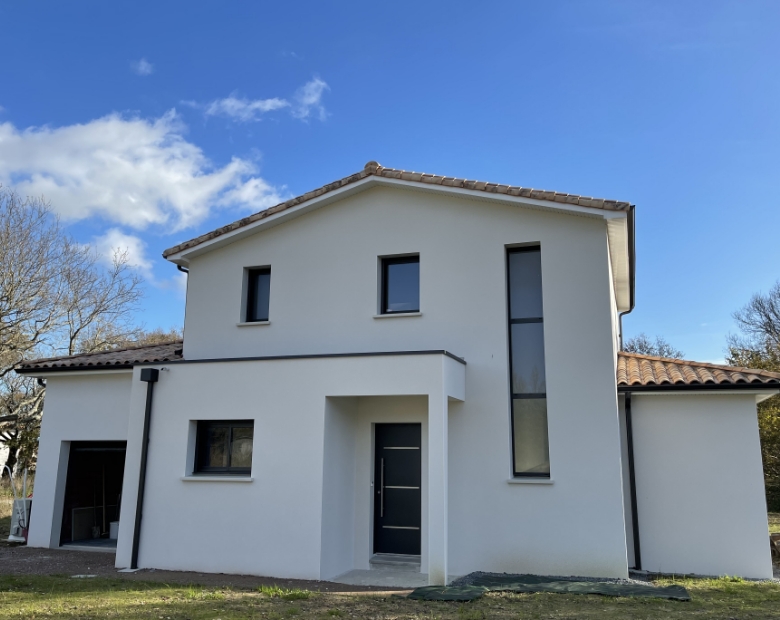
{"x":21,"y":560}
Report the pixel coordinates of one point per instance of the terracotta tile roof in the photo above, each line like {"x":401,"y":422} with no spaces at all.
{"x":117,"y":358}
{"x":635,"y":370}
{"x":372,"y":168}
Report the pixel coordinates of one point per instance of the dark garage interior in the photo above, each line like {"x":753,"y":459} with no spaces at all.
{"x":93,"y":493}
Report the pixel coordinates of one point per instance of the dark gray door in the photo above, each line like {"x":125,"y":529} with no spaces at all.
{"x":397,"y":477}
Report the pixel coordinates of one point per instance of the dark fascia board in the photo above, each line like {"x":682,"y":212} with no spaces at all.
{"x":697,"y":387}
{"x":264,"y":358}
{"x":34,"y":371}
{"x":38,"y":370}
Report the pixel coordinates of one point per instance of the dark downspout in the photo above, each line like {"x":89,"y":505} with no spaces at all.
{"x":632,"y":484}
{"x":150,"y":377}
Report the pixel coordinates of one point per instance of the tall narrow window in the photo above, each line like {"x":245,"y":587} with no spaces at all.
{"x":400,"y":284}
{"x":258,"y":289}
{"x":531,"y":454}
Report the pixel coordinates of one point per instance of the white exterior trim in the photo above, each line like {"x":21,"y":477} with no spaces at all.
{"x":198,"y":478}
{"x":395,"y":315}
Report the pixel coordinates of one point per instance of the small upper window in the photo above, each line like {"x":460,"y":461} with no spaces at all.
{"x":258,"y":292}
{"x":400,"y":284}
{"x":224,"y":447}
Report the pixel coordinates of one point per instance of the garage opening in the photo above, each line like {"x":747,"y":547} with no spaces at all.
{"x":93,"y":494}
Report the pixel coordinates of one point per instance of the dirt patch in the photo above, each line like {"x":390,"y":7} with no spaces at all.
{"x":22,"y":560}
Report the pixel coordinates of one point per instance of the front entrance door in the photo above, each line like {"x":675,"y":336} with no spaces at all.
{"x":397,"y":498}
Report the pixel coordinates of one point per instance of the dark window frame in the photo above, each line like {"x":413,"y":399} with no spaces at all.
{"x":513,"y":396}
{"x":250,"y":311}
{"x":201,"y":448}
{"x":397,"y":260}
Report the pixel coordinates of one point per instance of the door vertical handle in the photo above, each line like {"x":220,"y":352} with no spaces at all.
{"x":381,"y":487}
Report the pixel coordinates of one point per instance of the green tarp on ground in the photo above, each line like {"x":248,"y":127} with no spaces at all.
{"x":531,"y":583}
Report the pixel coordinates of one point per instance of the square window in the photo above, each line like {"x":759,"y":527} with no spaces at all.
{"x":224,"y":447}
{"x":258,"y":292}
{"x":400,"y":285}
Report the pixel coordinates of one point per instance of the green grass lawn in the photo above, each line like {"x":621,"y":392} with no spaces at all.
{"x":64,"y":597}
{"x":774,"y":522}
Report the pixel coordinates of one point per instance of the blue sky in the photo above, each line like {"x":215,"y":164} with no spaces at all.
{"x":147,"y":123}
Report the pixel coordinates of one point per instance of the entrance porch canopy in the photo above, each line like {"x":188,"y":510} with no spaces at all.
{"x":287,"y":397}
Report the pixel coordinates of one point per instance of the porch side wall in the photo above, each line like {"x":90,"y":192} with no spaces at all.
{"x":92,"y":407}
{"x":338,"y":486}
{"x":699,"y":480}
{"x":323,"y":298}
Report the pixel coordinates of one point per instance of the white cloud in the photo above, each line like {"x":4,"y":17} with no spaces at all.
{"x":134,"y":248}
{"x":242,"y":109}
{"x":114,"y":240}
{"x":308,"y":100}
{"x":142,"y":67}
{"x":131,"y":171}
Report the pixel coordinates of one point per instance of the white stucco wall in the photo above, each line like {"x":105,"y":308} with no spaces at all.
{"x":699,"y":481}
{"x":92,"y":406}
{"x":324,"y":287}
{"x":301,"y":514}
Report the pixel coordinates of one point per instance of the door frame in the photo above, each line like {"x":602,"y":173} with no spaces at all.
{"x":386,"y":409}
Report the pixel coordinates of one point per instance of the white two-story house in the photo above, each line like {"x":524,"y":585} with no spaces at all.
{"x":406,"y":366}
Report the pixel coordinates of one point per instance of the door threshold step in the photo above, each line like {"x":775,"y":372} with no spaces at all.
{"x":395,"y":561}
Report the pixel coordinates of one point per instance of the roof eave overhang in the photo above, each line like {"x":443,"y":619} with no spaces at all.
{"x":72,"y":371}
{"x":619,"y":224}
{"x":762,"y":390}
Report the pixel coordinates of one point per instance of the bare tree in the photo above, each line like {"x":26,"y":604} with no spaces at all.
{"x":56,"y":298}
{"x":102,"y":338}
{"x":658,"y":347}
{"x":21,"y":403}
{"x":759,"y":319}
{"x":758,"y":346}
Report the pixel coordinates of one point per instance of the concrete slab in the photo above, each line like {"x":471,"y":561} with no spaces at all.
{"x":383,"y":577}
{"x":90,"y":547}
{"x":406,"y":563}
